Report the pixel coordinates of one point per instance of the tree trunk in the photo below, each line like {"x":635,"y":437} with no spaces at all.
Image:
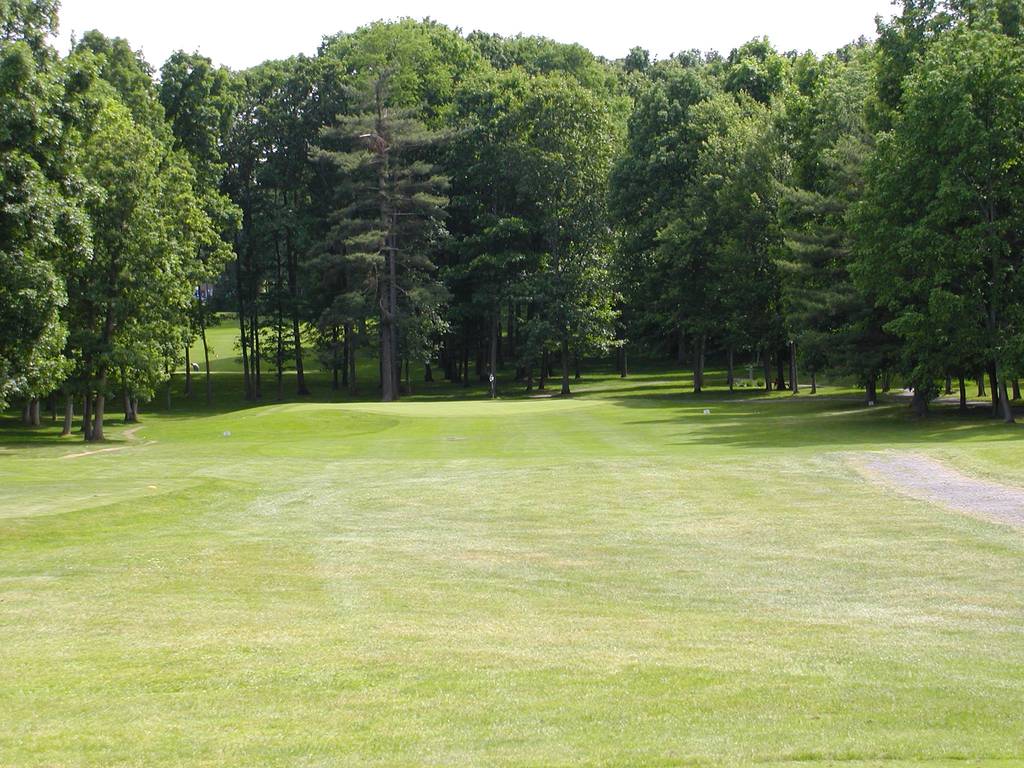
{"x":698,"y":365}
{"x":963,"y":393}
{"x":794,"y":383}
{"x":919,"y":404}
{"x":101,"y":402}
{"x":353,"y":384}
{"x":1004,"y":400}
{"x":300,"y":371}
{"x":206,"y":358}
{"x":428,"y":373}
{"x":730,"y":375}
{"x":30,"y":413}
{"x":293,"y":293}
{"x":949,"y":384}
{"x":577,"y":375}
{"x":565,"y":366}
{"x":981,"y":385}
{"x":501,"y":345}
{"x":129,"y":413}
{"x":380,"y":357}
{"x":243,"y":338}
{"x":1016,"y":389}
{"x":780,"y":359}
{"x":257,"y":357}
{"x":344,"y":356}
{"x":703,"y":358}
{"x":993,"y":385}
{"x":871,"y":390}
{"x":350,"y":353}
{"x":493,"y":367}
{"x":387,"y":358}
{"x":622,"y":362}
{"x":543,"y":372}
{"x":87,"y":417}
{"x":69,"y":415}
{"x":336,"y":364}
{"x":510,"y":352}
{"x":188,"y":369}
{"x":814,"y":383}
{"x":766,"y":362}
{"x":447,"y":362}
{"x":279,"y":324}
{"x":395,"y":343}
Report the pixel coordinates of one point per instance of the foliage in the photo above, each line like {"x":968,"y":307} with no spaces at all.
{"x":940,"y":227}
{"x":461,"y":201}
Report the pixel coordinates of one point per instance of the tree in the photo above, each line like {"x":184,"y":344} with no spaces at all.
{"x":41,"y":223}
{"x":756,"y":69}
{"x":648,"y":188}
{"x":719,"y":249}
{"x":940,"y":230}
{"x":29,"y":21}
{"x":825,"y":123}
{"x":398,"y":199}
{"x":129,"y":301}
{"x":198,"y":102}
{"x":535,"y":55}
{"x":566,"y":167}
{"x":903,"y":41}
{"x":492,"y":221}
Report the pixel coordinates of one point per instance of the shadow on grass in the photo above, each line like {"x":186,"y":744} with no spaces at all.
{"x":835,"y":421}
{"x":747,"y":418}
{"x":15,"y":436}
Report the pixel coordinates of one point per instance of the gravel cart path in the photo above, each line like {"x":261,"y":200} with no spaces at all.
{"x":928,"y":479}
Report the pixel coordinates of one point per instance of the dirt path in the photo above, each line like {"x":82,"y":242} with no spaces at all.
{"x":92,"y":453}
{"x":128,"y":434}
{"x":927,"y":479}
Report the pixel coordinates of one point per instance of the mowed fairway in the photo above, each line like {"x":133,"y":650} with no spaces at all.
{"x":613,"y":579}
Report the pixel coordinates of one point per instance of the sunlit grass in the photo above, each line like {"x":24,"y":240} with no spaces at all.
{"x":613,"y":579}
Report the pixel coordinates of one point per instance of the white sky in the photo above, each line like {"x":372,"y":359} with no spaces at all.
{"x":241,"y":33}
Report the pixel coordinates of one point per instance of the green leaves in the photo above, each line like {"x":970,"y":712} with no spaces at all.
{"x":38,"y":220}
{"x":942,"y":216}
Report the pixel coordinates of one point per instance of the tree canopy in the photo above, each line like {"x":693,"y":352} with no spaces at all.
{"x":487,"y":207}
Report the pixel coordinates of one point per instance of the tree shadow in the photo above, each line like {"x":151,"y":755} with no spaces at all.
{"x":834,"y":421}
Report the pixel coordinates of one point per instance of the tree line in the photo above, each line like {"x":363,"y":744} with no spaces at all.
{"x":457,"y":205}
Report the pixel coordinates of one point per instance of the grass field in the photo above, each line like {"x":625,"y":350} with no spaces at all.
{"x":615,"y":579}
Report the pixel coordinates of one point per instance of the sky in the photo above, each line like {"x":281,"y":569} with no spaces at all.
{"x":242,"y":33}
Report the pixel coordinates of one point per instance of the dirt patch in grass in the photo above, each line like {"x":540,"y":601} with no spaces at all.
{"x":128,"y":435}
{"x":94,"y":452}
{"x":927,"y":479}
